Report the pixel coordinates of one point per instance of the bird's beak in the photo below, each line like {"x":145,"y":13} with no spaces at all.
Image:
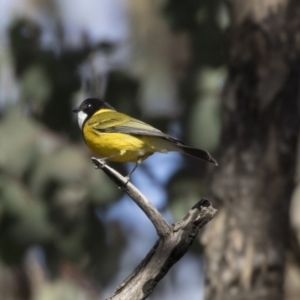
{"x":75,"y":110}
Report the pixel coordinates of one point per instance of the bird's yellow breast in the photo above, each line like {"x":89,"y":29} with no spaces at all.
{"x":117,"y":147}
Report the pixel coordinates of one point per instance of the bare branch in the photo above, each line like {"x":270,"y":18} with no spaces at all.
{"x":174,"y":240}
{"x":163,"y":229}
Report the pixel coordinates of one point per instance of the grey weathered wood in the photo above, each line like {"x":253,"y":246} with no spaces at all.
{"x":161,"y":226}
{"x":174,"y":240}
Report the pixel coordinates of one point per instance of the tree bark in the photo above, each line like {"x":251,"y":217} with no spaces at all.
{"x":246,"y":243}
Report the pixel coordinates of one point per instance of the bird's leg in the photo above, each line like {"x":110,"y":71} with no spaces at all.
{"x":104,"y":159}
{"x":139,"y":161}
{"x":109,"y":157}
{"x":134,"y":168}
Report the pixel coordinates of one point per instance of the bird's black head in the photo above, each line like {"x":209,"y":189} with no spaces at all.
{"x":88,"y":107}
{"x":91,"y":105}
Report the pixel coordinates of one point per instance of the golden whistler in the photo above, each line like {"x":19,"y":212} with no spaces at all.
{"x":120,"y":138}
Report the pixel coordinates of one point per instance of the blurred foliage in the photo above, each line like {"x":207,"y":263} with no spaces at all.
{"x":48,"y":189}
{"x":60,"y":70}
{"x":200,"y":19}
{"x":50,"y":195}
{"x":199,"y":90}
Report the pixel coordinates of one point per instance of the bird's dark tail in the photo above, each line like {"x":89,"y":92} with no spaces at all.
{"x":198,"y":153}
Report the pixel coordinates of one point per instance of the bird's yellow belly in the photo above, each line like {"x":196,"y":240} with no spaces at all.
{"x":117,"y":147}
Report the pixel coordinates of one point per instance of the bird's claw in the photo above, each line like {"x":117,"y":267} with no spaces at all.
{"x":127,"y":178}
{"x":98,"y":163}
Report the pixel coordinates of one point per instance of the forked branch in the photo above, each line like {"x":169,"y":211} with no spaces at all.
{"x":174,"y":240}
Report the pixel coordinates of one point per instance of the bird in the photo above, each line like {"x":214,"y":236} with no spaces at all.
{"x":117,"y":137}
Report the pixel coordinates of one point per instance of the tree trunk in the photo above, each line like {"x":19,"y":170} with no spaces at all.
{"x":246,"y":243}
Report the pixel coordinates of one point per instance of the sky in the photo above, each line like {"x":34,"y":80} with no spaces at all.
{"x":106,"y":20}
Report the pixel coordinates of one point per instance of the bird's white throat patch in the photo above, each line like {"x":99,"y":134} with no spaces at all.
{"x":81,"y":118}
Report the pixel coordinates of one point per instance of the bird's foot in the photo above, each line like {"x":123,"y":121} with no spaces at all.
{"x":98,"y":163}
{"x":127,"y":179}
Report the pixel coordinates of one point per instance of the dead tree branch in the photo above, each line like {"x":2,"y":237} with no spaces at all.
{"x":174,"y":240}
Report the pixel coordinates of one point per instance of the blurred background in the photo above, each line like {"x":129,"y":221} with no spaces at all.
{"x":66,"y":231}
{"x":220,"y":77}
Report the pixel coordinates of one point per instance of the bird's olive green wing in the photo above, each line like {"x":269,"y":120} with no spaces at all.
{"x":117,"y":122}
